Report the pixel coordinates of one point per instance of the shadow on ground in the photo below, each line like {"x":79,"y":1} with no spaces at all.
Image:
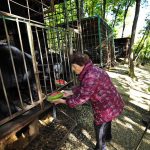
{"x":128,"y":128}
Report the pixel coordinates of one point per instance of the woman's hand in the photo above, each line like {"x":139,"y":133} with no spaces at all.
{"x":60,"y":101}
{"x":67,"y":93}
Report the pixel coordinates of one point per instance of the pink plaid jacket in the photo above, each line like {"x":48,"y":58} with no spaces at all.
{"x":96,"y":87}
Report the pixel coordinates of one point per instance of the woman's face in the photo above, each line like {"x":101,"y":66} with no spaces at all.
{"x":76,"y":68}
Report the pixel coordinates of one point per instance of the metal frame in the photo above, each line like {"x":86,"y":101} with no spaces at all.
{"x":30,"y":24}
{"x":41,"y":98}
{"x":61,"y":31}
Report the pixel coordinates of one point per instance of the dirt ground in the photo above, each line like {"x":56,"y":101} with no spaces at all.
{"x":128,"y":128}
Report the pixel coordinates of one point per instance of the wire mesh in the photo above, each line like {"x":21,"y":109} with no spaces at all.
{"x":44,"y":34}
{"x":32,"y":27}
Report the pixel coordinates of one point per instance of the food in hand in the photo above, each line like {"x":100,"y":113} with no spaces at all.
{"x":55,"y":96}
{"x":60,"y":82}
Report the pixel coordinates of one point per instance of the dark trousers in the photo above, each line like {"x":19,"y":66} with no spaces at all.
{"x":103,"y":135}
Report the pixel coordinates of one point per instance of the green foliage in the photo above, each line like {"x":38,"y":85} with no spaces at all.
{"x":114,"y":15}
{"x":149,"y":89}
{"x":144,"y":56}
{"x":114,"y":10}
{"x":91,"y":8}
{"x":63,"y":14}
{"x":142,"y":48}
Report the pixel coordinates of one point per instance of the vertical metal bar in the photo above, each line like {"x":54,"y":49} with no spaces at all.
{"x":48,"y":35}
{"x":71,"y":45}
{"x":85,"y":25}
{"x":66,"y":21}
{"x":55,"y":47}
{"x":54,"y":107}
{"x":58,"y":48}
{"x":76,"y":40}
{"x":60,"y":55}
{"x":106,"y":45}
{"x":51,"y":71}
{"x":45,"y":43}
{"x":28,"y":8}
{"x":113,"y":48}
{"x":80,"y":26}
{"x":90,"y":38}
{"x":53,"y":37}
{"x":69,"y":40}
{"x":83,"y":37}
{"x":41,"y":56}
{"x":65,"y":64}
{"x":67,"y":34}
{"x":13,"y":64}
{"x":62,"y":59}
{"x":66,"y":60}
{"x":100,"y":46}
{"x":53,"y":64}
{"x":42,"y":9}
{"x":30,"y":38}
{"x":46,"y":51}
{"x":57,"y":37}
{"x":87,"y":37}
{"x":5,"y":92}
{"x":66,"y":55}
{"x":108,"y":48}
{"x":8,"y":1}
{"x":95,"y":37}
{"x":24,"y":61}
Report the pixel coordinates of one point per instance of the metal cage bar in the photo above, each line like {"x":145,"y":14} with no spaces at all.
{"x":46,"y":51}
{"x":41,"y":57}
{"x":12,"y":61}
{"x":24,"y":61}
{"x":30,"y":38}
{"x":5,"y":93}
{"x":61,"y":30}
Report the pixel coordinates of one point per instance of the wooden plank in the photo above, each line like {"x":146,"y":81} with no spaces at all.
{"x":18,"y":123}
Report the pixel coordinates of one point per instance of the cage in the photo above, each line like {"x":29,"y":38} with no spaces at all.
{"x":91,"y":35}
{"x":122,"y":47}
{"x":36,"y":39}
{"x":34,"y":53}
{"x":97,"y":39}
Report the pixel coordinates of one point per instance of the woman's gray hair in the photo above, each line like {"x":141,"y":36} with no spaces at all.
{"x":79,"y":58}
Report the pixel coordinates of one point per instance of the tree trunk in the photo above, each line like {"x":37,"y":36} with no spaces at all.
{"x":131,"y":64}
{"x":104,"y":8}
{"x":125,"y":14}
{"x":116,"y":15}
{"x":81,"y":8}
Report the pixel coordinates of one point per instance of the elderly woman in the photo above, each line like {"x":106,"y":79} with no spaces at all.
{"x":96,"y":87}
